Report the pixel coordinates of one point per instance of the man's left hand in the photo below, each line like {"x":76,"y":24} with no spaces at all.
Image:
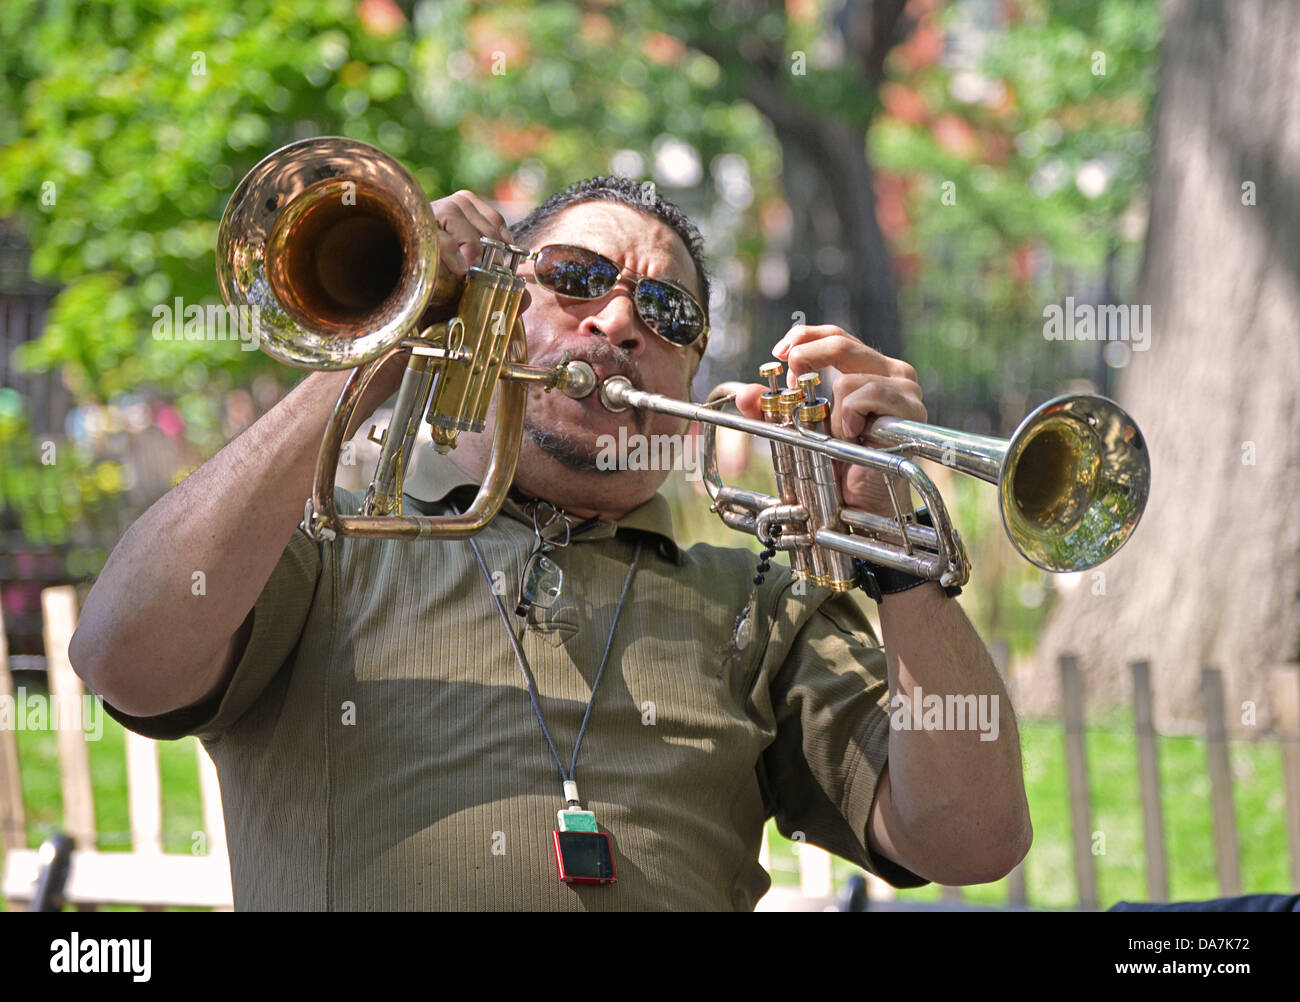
{"x":869,"y":385}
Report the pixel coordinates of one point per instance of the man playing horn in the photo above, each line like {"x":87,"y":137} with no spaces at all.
{"x":406,"y":725}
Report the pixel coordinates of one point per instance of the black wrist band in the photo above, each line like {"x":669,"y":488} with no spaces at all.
{"x":878,"y":581}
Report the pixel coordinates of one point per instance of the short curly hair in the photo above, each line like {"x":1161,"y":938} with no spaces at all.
{"x":640,"y":195}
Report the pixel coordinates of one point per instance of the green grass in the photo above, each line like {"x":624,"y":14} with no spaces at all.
{"x":1117,"y":814}
{"x":1049,"y":870}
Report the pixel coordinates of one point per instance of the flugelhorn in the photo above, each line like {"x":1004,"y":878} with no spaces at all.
{"x":336,"y":245}
{"x":1072,"y":482}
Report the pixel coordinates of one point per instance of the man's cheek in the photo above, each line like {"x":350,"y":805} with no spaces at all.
{"x":667,"y":424}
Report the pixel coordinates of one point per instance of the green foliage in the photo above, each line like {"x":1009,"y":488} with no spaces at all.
{"x":51,"y":497}
{"x":1019,"y":169}
{"x":134,"y":123}
{"x":563,"y":85}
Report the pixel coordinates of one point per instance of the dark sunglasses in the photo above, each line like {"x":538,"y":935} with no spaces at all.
{"x":665,"y":307}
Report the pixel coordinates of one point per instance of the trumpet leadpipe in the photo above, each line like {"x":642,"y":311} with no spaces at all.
{"x":618,"y":393}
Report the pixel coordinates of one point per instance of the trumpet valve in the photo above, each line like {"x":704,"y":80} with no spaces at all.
{"x":808,"y":383}
{"x":770,"y":401}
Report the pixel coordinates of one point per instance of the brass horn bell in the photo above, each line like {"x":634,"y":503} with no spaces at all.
{"x":336,"y":245}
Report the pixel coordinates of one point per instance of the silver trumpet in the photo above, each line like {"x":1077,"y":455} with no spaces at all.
{"x":1072,"y":482}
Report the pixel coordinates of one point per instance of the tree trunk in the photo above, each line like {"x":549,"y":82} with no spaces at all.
{"x":828,"y":185}
{"x":1212,"y":575}
{"x":840,"y":268}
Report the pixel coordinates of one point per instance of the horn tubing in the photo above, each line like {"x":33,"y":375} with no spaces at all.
{"x":979,"y":455}
{"x":492,"y":493}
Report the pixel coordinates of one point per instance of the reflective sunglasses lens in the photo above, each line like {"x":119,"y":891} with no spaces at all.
{"x":669,"y":312}
{"x":575,"y":272}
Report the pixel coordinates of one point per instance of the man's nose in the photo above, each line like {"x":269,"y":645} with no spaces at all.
{"x":618,"y":321}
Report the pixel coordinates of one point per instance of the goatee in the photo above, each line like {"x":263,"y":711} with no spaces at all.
{"x":565,"y":448}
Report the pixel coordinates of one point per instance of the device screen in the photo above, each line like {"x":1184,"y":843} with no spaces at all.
{"x":584,"y":857}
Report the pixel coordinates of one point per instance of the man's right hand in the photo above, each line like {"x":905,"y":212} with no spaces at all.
{"x":463,"y":217}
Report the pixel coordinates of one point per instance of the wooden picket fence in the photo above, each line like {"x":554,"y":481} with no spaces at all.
{"x":149,"y":877}
{"x":817,"y":890}
{"x":1227,"y":854}
{"x":146,"y":875}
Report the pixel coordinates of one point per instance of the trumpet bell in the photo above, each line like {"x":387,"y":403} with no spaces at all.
{"x":336,"y":245}
{"x":1073,"y":483}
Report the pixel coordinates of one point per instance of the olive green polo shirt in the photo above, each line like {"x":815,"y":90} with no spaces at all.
{"x":377,"y":747}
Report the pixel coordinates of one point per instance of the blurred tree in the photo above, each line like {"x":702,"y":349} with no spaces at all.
{"x":816,"y":81}
{"x":134,"y":122}
{"x":757,"y":93}
{"x":1010,"y":155}
{"x":1212,"y":576}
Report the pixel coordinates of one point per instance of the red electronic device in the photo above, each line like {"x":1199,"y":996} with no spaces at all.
{"x":584,"y":857}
